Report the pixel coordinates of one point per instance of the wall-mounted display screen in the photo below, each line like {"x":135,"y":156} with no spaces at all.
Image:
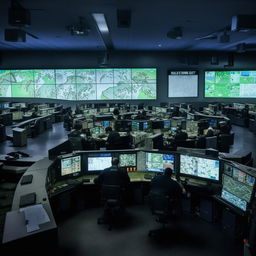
{"x":182,"y":84}
{"x":199,"y":167}
{"x":237,"y":186}
{"x":230,"y":84}
{"x":80,"y":84}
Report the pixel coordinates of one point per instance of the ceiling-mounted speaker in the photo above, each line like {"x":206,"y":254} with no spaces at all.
{"x":214,"y":60}
{"x":243,"y":23}
{"x":123,"y":18}
{"x":19,"y":16}
{"x":14,"y":35}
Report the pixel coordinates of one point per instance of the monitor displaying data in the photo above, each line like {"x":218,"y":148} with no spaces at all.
{"x":99,"y":162}
{"x":157,"y":162}
{"x":199,"y":167}
{"x":128,"y":162}
{"x":230,"y":84}
{"x":80,"y":84}
{"x":183,"y":84}
{"x":70,"y":165}
{"x":237,"y":186}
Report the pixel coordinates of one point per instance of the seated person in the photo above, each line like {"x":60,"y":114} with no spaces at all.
{"x":116,"y":113}
{"x":180,"y":135}
{"x":209,"y":132}
{"x":76,"y":138}
{"x":142,"y":115}
{"x":113,"y":138}
{"x":34,"y":115}
{"x":166,"y":186}
{"x":76,"y":132}
{"x":113,"y":175}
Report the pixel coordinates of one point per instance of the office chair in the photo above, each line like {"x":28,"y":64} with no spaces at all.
{"x":111,"y":196}
{"x":76,"y":143}
{"x":163,"y":207}
{"x":211,"y":142}
{"x":224,"y":141}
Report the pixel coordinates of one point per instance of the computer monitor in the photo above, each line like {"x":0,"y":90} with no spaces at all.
{"x":99,"y":162}
{"x":128,"y":161}
{"x":157,"y":124}
{"x":106,"y":123}
{"x":238,"y":186}
{"x":213,"y":123}
{"x":71,"y":166}
{"x":200,"y":167}
{"x":167,"y":124}
{"x":135,"y":126}
{"x":97,"y":123}
{"x":145,"y":126}
{"x":157,"y":162}
{"x":174,"y":129}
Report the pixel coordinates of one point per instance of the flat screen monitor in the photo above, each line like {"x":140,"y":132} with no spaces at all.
{"x":167,"y":124}
{"x":128,"y":161}
{"x":199,"y":167}
{"x":97,"y":123}
{"x":183,"y":84}
{"x":157,"y":124}
{"x":99,"y":162}
{"x":71,"y":165}
{"x":106,"y":123}
{"x":237,"y":186}
{"x":157,"y":162}
{"x":135,"y":126}
{"x":230,"y":84}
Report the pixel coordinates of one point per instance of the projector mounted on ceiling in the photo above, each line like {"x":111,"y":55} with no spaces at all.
{"x":79,"y":29}
{"x":18,"y":17}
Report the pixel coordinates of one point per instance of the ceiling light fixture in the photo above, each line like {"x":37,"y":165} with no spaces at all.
{"x":101,"y":22}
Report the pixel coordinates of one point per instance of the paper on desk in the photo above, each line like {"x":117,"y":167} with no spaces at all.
{"x":34,"y":215}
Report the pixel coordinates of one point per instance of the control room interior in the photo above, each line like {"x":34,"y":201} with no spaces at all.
{"x":176,"y":82}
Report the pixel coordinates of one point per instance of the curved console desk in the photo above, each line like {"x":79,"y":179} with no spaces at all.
{"x":15,"y":224}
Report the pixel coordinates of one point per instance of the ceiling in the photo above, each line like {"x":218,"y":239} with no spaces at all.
{"x":150,"y":23}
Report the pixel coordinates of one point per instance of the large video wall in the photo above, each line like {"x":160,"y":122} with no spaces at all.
{"x":230,"y":84}
{"x":80,"y":84}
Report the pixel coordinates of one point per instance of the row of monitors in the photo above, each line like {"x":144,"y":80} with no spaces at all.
{"x":237,"y":183}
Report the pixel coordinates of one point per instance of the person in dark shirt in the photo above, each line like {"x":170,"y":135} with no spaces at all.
{"x":113,"y":138}
{"x":113,"y":175}
{"x":76,"y":132}
{"x":166,"y":186}
{"x":180,"y":135}
{"x":209,"y":132}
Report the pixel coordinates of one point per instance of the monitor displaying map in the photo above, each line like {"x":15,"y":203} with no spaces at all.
{"x":157,"y":162}
{"x":80,"y":84}
{"x":183,"y":84}
{"x":199,"y":167}
{"x":237,"y":186}
{"x":230,"y":84}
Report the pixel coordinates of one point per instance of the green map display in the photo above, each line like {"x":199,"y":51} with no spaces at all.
{"x":80,"y":84}
{"x":230,"y":84}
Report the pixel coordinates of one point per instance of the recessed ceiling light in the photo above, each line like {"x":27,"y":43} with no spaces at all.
{"x":159,"y":45}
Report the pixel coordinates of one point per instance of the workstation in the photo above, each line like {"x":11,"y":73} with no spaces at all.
{"x":161,"y":86}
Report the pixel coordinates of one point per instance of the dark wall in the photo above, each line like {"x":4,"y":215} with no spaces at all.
{"x":163,"y":61}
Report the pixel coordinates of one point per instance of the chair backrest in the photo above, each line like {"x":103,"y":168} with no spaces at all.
{"x":111,"y":192}
{"x":76,"y":143}
{"x":160,"y":205}
{"x":211,"y":142}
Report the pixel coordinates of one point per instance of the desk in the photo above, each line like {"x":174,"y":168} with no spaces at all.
{"x":17,"y":231}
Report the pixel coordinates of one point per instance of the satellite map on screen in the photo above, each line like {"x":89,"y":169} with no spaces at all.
{"x":230,"y":84}
{"x":80,"y":84}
